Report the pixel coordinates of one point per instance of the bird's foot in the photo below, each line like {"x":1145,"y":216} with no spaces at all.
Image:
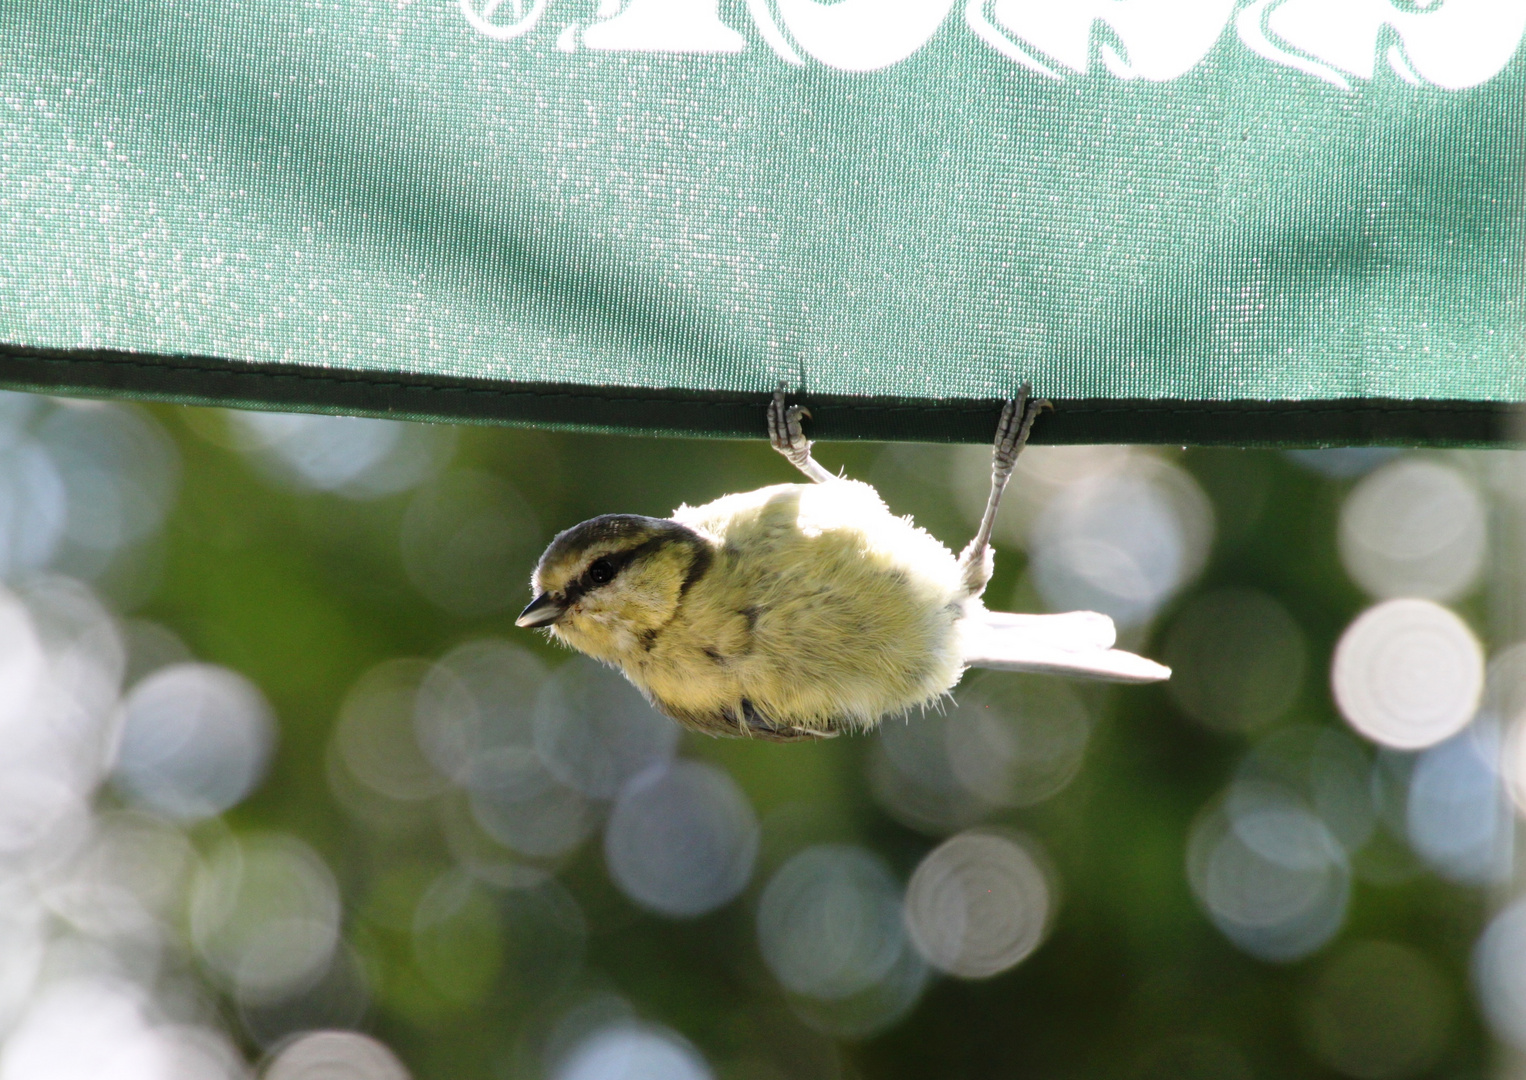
{"x":1012,"y":430}
{"x":787,"y":436}
{"x":1017,"y":417}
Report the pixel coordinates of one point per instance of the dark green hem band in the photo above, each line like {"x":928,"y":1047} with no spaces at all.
{"x":191,"y":380}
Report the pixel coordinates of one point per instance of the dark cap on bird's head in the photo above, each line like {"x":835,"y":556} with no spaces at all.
{"x":593,"y":553}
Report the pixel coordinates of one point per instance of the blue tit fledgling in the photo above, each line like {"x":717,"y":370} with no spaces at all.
{"x":804,"y":610}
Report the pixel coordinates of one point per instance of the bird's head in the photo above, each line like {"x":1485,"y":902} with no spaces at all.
{"x":607,"y":586}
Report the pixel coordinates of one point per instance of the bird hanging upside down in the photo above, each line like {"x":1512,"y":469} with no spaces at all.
{"x":804,"y":610}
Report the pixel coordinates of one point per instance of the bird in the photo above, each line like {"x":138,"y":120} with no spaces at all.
{"x":802,"y":611}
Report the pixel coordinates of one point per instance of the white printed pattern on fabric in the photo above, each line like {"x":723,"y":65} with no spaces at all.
{"x":1450,"y":44}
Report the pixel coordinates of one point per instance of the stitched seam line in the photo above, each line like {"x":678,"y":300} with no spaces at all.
{"x":1134,"y":406}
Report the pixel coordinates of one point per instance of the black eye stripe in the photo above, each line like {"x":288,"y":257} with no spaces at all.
{"x":611,"y":564}
{"x":616,"y":561}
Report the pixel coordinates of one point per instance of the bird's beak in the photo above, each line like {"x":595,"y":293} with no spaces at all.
{"x":544,"y":610}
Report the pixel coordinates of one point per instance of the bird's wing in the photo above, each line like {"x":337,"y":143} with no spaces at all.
{"x":1078,"y":643}
{"x":753,"y":723}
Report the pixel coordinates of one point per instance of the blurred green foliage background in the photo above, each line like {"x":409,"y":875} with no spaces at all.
{"x":495,"y":965}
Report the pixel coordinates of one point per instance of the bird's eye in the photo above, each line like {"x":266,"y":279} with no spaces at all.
{"x":601,"y":572}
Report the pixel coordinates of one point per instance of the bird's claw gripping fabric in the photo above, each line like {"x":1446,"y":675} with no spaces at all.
{"x":977,"y":560}
{"x":788,"y":437}
{"x":800,"y":611}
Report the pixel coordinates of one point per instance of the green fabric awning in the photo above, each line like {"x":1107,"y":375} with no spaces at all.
{"x":1287,"y":221}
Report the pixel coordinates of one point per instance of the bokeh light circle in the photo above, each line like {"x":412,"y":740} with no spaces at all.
{"x":356,"y":457}
{"x":912,"y":777}
{"x":978,"y":904}
{"x":516,"y":801}
{"x":89,"y":1028}
{"x":1457,"y":813}
{"x":829,"y":922}
{"x":1323,"y":769}
{"x":1499,"y":974}
{"x":33,"y":508}
{"x":633,"y":1052}
{"x":1407,"y":673}
{"x":1237,"y":659}
{"x":150,"y":646}
{"x":1121,"y":542}
{"x":1378,"y":1011}
{"x":326,"y":453}
{"x":480,"y":853}
{"x":23,"y":668}
{"x":1513,"y":763}
{"x":1414,"y":527}
{"x":479,"y":697}
{"x":1342,"y":462}
{"x":17,"y":410}
{"x":681,"y":841}
{"x":1015,"y":740}
{"x":120,"y":469}
{"x":1269,"y":873}
{"x":1505,"y":683}
{"x":1042,"y":473}
{"x":195,"y":739}
{"x":264,"y":916}
{"x":1010,"y":740}
{"x":338,"y":1000}
{"x":875,"y":1008}
{"x":83,"y":642}
{"x":595,"y":731}
{"x":375,"y":735}
{"x":335,"y":1055}
{"x":458,"y":938}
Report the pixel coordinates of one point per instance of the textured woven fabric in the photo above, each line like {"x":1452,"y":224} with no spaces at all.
{"x":1183,"y":220}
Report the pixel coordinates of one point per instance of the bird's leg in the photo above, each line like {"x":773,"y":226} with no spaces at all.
{"x":977,"y":561}
{"x":787,"y":437}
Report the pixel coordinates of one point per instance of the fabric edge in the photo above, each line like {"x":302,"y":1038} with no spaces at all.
{"x":190,"y":380}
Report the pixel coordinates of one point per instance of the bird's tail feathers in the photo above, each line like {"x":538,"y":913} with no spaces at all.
{"x":1077,"y":643}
